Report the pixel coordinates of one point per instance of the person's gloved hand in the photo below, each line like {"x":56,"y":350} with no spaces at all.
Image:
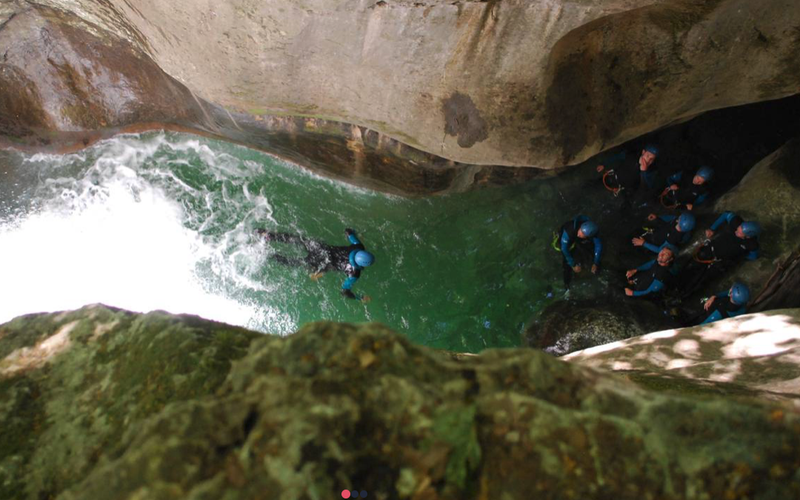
{"x":260,"y":231}
{"x":349,"y":231}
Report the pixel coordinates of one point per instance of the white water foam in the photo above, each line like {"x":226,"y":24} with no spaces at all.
{"x":112,"y":237}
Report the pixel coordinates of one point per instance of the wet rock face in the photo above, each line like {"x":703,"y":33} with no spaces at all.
{"x":108,"y":404}
{"x":447,"y":85}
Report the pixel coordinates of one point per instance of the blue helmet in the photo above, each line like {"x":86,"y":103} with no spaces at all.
{"x":652,"y":148}
{"x":686,"y":222}
{"x":364,"y":258}
{"x":740,"y":294}
{"x":589,"y":229}
{"x":751,"y":229}
{"x":705,"y":172}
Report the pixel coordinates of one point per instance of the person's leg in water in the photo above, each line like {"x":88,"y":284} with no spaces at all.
{"x":567,"y":272}
{"x":314,"y":260}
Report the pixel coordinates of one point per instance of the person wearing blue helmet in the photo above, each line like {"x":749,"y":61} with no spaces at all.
{"x":578,"y":231}
{"x":727,"y":304}
{"x":631,"y":173}
{"x":730,"y":240}
{"x":321,"y":258}
{"x":685,"y":191}
{"x":670,"y":231}
{"x":651,"y":278}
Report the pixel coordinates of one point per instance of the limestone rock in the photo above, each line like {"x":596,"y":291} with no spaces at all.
{"x":122,"y":410}
{"x":449,"y":85}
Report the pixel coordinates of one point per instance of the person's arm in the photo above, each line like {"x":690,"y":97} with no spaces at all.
{"x":655,"y":286}
{"x":753,"y":254}
{"x":655,"y":249}
{"x":725,"y":217}
{"x":668,"y":218}
{"x":598,"y":250}
{"x":347,"y":288}
{"x":700,"y":199}
{"x":565,"y":249}
{"x":716,"y":315}
{"x":351,"y":237}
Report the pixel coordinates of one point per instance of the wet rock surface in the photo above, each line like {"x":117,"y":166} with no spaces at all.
{"x":100,"y":403}
{"x":413,"y":97}
{"x":566,"y":326}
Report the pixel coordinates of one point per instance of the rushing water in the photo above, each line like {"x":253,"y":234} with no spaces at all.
{"x":166,"y":221}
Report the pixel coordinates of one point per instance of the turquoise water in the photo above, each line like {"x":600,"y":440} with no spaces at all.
{"x":166,"y":221}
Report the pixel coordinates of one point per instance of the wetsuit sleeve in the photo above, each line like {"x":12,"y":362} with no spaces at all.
{"x":656,"y":249}
{"x":716,"y":315}
{"x":668,"y":218}
{"x":353,"y":239}
{"x":347,"y":286}
{"x":598,"y":250}
{"x":565,"y":249}
{"x":753,"y":255}
{"x":647,"y":265}
{"x":655,"y":286}
{"x":674,"y":178}
{"x":725,"y":217}
{"x":723,"y":294}
{"x":700,"y":199}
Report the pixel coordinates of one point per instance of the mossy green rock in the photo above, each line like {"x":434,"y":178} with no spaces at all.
{"x":131,"y":406}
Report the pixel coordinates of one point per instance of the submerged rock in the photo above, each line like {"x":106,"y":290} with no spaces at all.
{"x":107,"y":404}
{"x":567,"y":326}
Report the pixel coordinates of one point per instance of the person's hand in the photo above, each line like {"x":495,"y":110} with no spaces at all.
{"x":637,"y":242}
{"x":689,"y":206}
{"x":674,"y":187}
{"x":631,"y":272}
{"x":651,"y":217}
{"x":576,"y":268}
{"x":594,"y":268}
{"x":316,"y":276}
{"x":261,"y":231}
{"x":366,"y":298}
{"x":709,"y":233}
{"x":709,"y":302}
{"x":629,"y":292}
{"x":349,"y":231}
{"x":600,"y":168}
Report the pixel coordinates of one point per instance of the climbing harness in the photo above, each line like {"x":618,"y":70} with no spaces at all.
{"x":605,"y":183}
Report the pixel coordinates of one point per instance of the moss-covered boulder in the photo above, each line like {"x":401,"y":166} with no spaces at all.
{"x":72,"y":384}
{"x":108,"y":404}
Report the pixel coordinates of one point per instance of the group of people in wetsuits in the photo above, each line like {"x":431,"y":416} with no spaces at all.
{"x":729,"y":240}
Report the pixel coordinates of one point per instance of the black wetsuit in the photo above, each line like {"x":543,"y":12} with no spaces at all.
{"x":665,"y":234}
{"x":688,"y":192}
{"x":720,"y":253}
{"x":567,"y":237}
{"x":321,"y":257}
{"x":630,"y":180}
{"x":651,"y":279}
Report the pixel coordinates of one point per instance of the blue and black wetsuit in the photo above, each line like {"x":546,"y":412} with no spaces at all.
{"x":727,"y":248}
{"x":688,"y":192}
{"x":322,"y":257}
{"x":624,"y":174}
{"x":723,"y":308}
{"x":651,"y":278}
{"x":719,"y":254}
{"x":568,"y":238}
{"x":665,"y":234}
